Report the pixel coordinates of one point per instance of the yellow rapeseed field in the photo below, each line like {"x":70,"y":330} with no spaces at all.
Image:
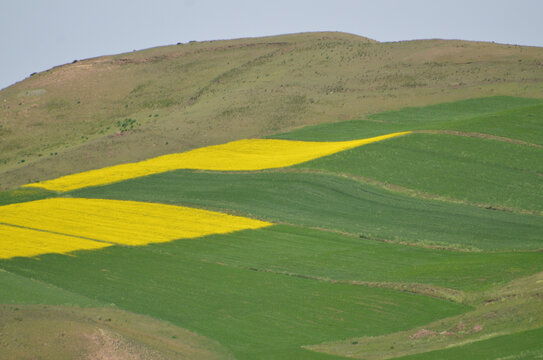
{"x":110,"y":221}
{"x":16,"y":241}
{"x":242,"y":155}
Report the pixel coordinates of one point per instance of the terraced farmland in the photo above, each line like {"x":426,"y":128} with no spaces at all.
{"x":250,"y":154}
{"x":420,"y":246}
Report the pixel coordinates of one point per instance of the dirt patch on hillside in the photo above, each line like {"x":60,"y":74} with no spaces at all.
{"x":423,"y":333}
{"x":52,"y":332}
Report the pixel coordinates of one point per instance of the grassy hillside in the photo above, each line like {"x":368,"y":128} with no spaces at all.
{"x":114,"y":109}
{"x":359,"y":264}
{"x":489,"y":115}
{"x":424,"y":246}
{"x":334,"y":203}
{"x":505,"y":323}
{"x":485,"y":152}
{"x":522,"y":345}
{"x":257,"y":314}
{"x":478,"y":171}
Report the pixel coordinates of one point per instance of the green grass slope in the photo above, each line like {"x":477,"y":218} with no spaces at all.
{"x":253,"y":314}
{"x":20,"y":289}
{"x":484,"y":151}
{"x":335,"y":203}
{"x":437,"y":230}
{"x":114,"y":109}
{"x":24,"y":194}
{"x":471,"y":170}
{"x":520,"y":124}
{"x":328,"y":256}
{"x":490,"y":115}
{"x":521,"y":345}
{"x":499,"y":318}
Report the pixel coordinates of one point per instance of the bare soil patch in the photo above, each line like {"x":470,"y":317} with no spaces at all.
{"x":54,"y":332}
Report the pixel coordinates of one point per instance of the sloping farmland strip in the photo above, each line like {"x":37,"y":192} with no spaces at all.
{"x":242,"y":155}
{"x":122,"y":222}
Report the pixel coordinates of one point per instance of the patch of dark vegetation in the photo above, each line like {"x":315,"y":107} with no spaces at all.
{"x":24,"y":195}
{"x":126,"y":124}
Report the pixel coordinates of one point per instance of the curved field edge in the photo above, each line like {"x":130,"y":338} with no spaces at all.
{"x":301,"y":252}
{"x":21,"y":289}
{"x":25,"y":194}
{"x":242,"y":155}
{"x":240,"y":88}
{"x":63,"y":332}
{"x":502,"y":314}
{"x":42,"y":320}
{"x":61,"y":225}
{"x":351,"y":207}
{"x":496,"y":136}
{"x":490,"y":115}
{"x":474,"y":171}
{"x":271,"y":248}
{"x":253,"y":314}
{"x":522,"y":345}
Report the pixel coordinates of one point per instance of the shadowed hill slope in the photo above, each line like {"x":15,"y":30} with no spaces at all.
{"x":128,"y":107}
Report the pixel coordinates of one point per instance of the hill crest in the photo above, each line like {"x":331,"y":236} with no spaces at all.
{"x":122,"y":108}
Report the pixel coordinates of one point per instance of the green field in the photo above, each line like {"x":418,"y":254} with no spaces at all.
{"x":424,"y":246}
{"x":485,"y":152}
{"x":470,"y":170}
{"x":519,"y":346}
{"x":21,"y":289}
{"x":24,"y":194}
{"x":334,"y":203}
{"x":254,"y":314}
{"x":490,"y":115}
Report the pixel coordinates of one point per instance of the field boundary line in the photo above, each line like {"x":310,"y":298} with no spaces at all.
{"x":491,"y":309}
{"x":478,"y":135}
{"x":59,"y":233}
{"x":405,"y":191}
{"x":439,"y":292}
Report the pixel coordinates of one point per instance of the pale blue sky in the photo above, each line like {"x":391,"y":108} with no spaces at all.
{"x":39,"y":34}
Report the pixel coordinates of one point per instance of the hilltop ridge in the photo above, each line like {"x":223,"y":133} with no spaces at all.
{"x":121,"y":108}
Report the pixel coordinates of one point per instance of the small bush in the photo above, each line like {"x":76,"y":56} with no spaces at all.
{"x":126,"y":124}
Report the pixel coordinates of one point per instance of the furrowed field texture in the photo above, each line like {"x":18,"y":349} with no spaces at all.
{"x":336,"y":203}
{"x":255,"y":314}
{"x":486,"y":152}
{"x":251,"y":154}
{"x":309,"y":246}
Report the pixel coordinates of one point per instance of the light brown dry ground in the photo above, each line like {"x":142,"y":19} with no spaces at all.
{"x":52,"y":332}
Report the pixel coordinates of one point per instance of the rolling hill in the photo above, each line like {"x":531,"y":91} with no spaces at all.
{"x":306,"y":196}
{"x":122,"y":108}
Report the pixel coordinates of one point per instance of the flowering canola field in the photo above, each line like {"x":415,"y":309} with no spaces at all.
{"x":61,"y":225}
{"x":16,"y":241}
{"x":242,"y":155}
